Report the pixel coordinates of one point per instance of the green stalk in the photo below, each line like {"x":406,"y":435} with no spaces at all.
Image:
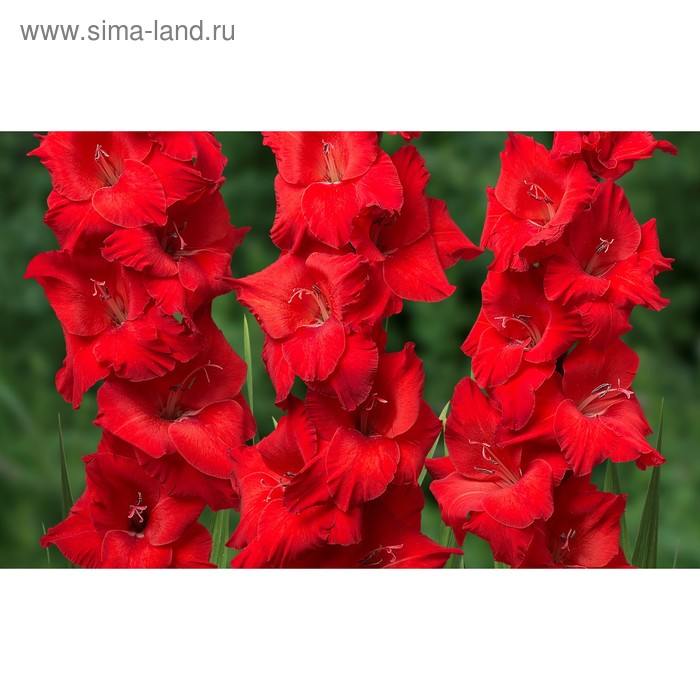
{"x":646,"y":547}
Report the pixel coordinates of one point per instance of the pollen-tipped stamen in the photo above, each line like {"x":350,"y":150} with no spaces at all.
{"x":602,"y":398}
{"x":333,"y":172}
{"x":106,"y":169}
{"x":522,"y":319}
{"x":114,"y":309}
{"x":539,"y":195}
{"x":321,"y":309}
{"x":171,"y":411}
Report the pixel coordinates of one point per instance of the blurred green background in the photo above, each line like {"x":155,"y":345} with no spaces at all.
{"x":461,"y":166}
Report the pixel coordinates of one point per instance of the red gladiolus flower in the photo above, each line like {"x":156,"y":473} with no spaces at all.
{"x":383,"y":440}
{"x":325,"y":179}
{"x":125,"y":520}
{"x":391,"y":538}
{"x":517,"y":325}
{"x":128,"y":178}
{"x":196,"y":411}
{"x":108,"y":322}
{"x":583,"y":532}
{"x":308,"y":309}
{"x":600,"y":417}
{"x":185,"y":262}
{"x":414,"y":247}
{"x":512,"y":486}
{"x":270,"y":532}
{"x":609,"y":154}
{"x":601,"y":257}
{"x":535,"y":198}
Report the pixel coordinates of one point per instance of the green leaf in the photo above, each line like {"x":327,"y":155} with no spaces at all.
{"x":65,"y":481}
{"x":247,"y":356}
{"x":220,"y":535}
{"x":612,"y":485}
{"x":500,"y":565}
{"x":646,"y":547}
{"x":675,"y":554}
{"x":447,"y":539}
{"x":48,"y":553}
{"x":443,"y":418}
{"x":274,"y":421}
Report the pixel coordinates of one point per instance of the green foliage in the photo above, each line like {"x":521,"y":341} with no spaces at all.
{"x":645,"y":549}
{"x":612,"y":485}
{"x":448,"y":539}
{"x":220,"y":524}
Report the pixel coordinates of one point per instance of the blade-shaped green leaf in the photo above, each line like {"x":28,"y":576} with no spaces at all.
{"x":612,"y":485}
{"x":220,"y":534}
{"x":274,"y":421}
{"x":500,"y":565}
{"x":48,"y":553}
{"x":646,"y":547}
{"x":443,"y":418}
{"x":447,"y":539}
{"x":247,"y":356}
{"x":67,"y":503}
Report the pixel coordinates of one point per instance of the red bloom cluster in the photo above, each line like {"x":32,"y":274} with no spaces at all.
{"x":145,"y":245}
{"x":336,"y":483}
{"x":570,"y":263}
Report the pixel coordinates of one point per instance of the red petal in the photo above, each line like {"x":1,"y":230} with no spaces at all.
{"x":352,"y":379}
{"x":452,"y":244}
{"x":205,"y":438}
{"x":380,"y":186}
{"x":136,"y":199}
{"x":359,"y":468}
{"x":313,"y":352}
{"x":139,"y":248}
{"x":329,"y":209}
{"x":300,"y":155}
{"x":170,"y":518}
{"x":193,"y":549}
{"x":123,"y":550}
{"x":414,"y":272}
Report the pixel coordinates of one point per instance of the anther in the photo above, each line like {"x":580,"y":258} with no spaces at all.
{"x":375,"y":398}
{"x":537,"y":193}
{"x":603,"y":389}
{"x":484,"y":470}
{"x":101,"y":289}
{"x":137,"y":510}
{"x":484,"y":447}
{"x":566,"y":537}
{"x":604,"y":245}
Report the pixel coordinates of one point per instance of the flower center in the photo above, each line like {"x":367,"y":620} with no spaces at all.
{"x":523,"y":321}
{"x":114,"y":307}
{"x":281,"y":483}
{"x":333,"y":172}
{"x":598,"y":266}
{"x":314,"y":300}
{"x":138,"y":521}
{"x":562,"y":547}
{"x":501,"y":472}
{"x":366,"y":427}
{"x":539,"y":195}
{"x":377,"y":556}
{"x":172,"y":409}
{"x":106,"y":169}
{"x":602,"y":398}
